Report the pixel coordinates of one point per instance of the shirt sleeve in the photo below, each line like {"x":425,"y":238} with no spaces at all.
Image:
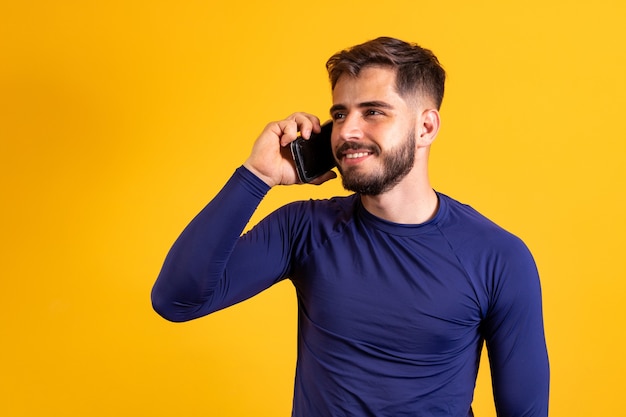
{"x":514,"y":335}
{"x":211,"y":266}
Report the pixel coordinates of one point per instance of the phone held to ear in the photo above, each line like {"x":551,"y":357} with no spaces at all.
{"x":313,"y":156}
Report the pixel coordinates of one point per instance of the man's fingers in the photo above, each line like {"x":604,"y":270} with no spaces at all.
{"x":288,"y":131}
{"x":304,"y":123}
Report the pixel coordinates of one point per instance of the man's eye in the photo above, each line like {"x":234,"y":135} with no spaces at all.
{"x":338,"y":116}
{"x":372,"y":112}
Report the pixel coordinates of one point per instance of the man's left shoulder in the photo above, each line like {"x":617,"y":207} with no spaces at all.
{"x":470,"y":227}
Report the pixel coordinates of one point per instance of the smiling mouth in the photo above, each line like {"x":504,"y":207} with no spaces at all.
{"x":353,"y":151}
{"x":356,"y":155}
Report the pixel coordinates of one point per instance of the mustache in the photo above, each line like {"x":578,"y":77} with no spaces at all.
{"x":354,"y":146}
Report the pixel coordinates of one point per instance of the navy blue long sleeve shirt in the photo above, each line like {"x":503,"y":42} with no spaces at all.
{"x":392,"y":317}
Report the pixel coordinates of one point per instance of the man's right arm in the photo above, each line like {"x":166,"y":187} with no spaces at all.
{"x":188,"y":285}
{"x":195,"y":280}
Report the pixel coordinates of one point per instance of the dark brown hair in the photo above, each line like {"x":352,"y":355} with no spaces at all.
{"x":418,"y":71}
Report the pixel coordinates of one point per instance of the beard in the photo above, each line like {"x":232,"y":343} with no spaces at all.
{"x":396,"y":164}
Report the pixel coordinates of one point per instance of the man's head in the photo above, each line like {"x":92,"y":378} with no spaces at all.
{"x":386,"y":97}
{"x":418,"y":72}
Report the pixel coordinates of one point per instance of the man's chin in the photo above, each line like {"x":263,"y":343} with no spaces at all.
{"x":360,"y":185}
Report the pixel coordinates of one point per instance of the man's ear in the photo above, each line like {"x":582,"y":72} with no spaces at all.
{"x":427,"y":127}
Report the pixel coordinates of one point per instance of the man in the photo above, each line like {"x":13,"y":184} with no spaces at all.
{"x":398,"y":286}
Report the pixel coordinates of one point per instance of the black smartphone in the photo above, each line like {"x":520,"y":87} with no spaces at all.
{"x":313,"y":156}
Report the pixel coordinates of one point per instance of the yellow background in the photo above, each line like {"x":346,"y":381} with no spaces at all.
{"x":120,"y":119}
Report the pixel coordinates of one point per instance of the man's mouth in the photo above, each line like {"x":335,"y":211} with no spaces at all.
{"x":356,"y":155}
{"x":354,"y":151}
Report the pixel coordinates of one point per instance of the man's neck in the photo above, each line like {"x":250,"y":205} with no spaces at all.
{"x":412,"y":201}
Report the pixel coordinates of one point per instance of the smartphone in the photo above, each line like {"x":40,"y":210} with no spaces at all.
{"x":313,"y":156}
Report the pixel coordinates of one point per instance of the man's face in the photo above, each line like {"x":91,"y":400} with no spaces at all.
{"x":373,"y":133}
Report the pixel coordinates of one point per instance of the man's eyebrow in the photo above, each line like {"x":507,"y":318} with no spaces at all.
{"x":365,"y":104}
{"x":376,"y":103}
{"x":337,"y":107}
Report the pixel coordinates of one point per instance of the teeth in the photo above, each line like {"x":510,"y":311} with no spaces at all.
{"x":356,"y":155}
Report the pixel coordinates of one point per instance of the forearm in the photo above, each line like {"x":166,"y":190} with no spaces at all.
{"x":196,"y":262}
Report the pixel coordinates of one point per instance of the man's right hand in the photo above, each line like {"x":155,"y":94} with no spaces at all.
{"x":271,"y":159}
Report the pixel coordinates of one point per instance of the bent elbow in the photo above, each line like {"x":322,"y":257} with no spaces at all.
{"x":169,"y":309}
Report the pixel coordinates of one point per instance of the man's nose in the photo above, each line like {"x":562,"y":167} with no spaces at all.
{"x":349,"y":128}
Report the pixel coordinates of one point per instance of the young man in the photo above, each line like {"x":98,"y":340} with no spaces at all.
{"x":398,"y":286}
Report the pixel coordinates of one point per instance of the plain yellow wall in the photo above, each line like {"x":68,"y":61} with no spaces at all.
{"x":120,"y":119}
